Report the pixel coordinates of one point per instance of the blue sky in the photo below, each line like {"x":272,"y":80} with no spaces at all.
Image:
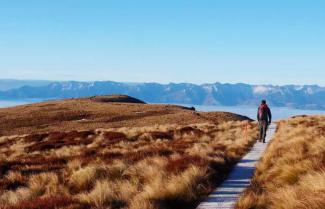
{"x":202,"y":41}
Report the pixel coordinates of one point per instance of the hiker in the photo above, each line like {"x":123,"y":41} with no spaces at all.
{"x":264,"y":118}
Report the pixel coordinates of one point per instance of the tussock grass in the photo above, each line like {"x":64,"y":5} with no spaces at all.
{"x":92,"y":113}
{"x":291,"y":174}
{"x":150,"y":167}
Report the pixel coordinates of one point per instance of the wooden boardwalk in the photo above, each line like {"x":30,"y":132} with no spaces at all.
{"x":226,"y":195}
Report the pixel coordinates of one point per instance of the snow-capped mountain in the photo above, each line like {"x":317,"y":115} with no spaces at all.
{"x":304,"y":96}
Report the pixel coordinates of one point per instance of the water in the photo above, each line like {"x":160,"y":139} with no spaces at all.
{"x":12,"y":103}
{"x":278,"y":113}
{"x":250,"y":111}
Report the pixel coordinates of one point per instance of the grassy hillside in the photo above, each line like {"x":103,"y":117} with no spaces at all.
{"x":99,"y":112}
{"x":151,"y":167}
{"x":115,"y":152}
{"x":291,"y":174}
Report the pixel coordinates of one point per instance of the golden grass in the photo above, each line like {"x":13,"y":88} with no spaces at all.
{"x":95,"y":112}
{"x":291,"y":174}
{"x":151,"y":167}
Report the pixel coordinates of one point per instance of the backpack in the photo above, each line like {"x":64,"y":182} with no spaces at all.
{"x":262,"y":111}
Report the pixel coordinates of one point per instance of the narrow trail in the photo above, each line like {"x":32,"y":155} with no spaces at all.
{"x":226,"y":195}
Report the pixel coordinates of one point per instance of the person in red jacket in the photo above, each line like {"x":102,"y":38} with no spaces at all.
{"x":264,"y":118}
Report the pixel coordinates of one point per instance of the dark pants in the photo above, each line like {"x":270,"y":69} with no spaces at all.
{"x":262,"y":130}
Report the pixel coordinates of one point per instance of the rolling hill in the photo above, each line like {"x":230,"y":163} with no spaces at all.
{"x":100,"y":112}
{"x":116,"y":152}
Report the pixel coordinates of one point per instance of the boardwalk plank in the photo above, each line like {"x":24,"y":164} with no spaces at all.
{"x":226,"y":195}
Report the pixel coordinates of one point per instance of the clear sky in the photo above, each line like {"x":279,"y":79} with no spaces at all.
{"x":202,"y":41}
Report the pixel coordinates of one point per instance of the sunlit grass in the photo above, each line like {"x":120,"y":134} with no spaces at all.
{"x":165,"y":166}
{"x":291,"y":174}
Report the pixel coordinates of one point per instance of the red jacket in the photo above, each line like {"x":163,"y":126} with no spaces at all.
{"x":264,"y":113}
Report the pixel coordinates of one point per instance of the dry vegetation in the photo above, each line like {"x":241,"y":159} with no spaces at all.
{"x":291,"y":174}
{"x":101,"y":111}
{"x":152,"y":167}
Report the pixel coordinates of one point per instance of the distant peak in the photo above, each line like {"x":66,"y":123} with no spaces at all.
{"x":117,"y":98}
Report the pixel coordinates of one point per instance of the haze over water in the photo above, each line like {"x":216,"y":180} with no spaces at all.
{"x":4,"y":103}
{"x":251,"y":111}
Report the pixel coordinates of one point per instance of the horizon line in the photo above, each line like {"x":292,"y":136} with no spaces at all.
{"x":162,"y":83}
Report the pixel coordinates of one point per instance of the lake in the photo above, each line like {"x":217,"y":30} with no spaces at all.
{"x":250,"y":111}
{"x":13,"y":103}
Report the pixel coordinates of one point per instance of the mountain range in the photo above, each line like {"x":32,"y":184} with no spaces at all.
{"x":297,"y":96}
{"x":6,"y":84}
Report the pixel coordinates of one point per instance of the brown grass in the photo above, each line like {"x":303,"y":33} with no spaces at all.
{"x":149,"y":167}
{"x":52,"y":202}
{"x":98,"y":112}
{"x":291,"y":174}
